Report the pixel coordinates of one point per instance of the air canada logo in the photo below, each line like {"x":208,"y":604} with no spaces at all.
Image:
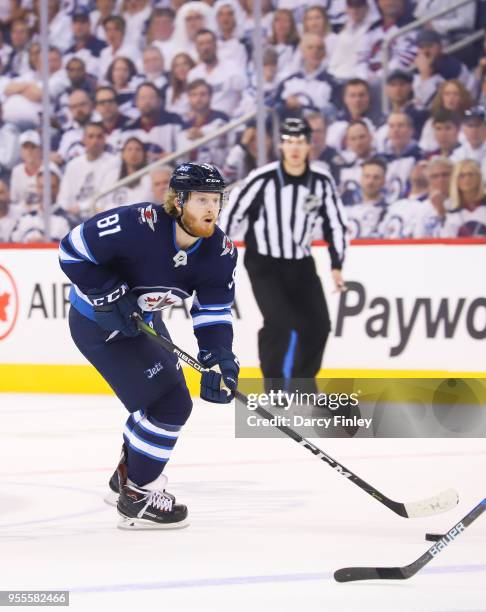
{"x":9,"y":303}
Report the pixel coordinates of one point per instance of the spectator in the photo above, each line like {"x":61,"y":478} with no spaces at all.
{"x":284,"y":38}
{"x":18,"y":61}
{"x":104,"y":9}
{"x":401,"y":152}
{"x":160,"y":33}
{"x":80,"y":108}
{"x":160,"y":178}
{"x":154,"y":67}
{"x":156,"y":128}
{"x":446,"y":126}
{"x":9,"y":151}
{"x":271,"y":79}
{"x":451,"y":96}
{"x":115,"y":27}
{"x":356,"y":98}
{"x":176,"y":100}
{"x":84,"y":173}
{"x":191,"y":18}
{"x":225,"y":78}
{"x":399,"y":92}
{"x":400,"y":215}
{"x":23,"y":181}
{"x":348,"y":48}
{"x":453,"y":25}
{"x":434,"y":67}
{"x":474,"y":147}
{"x":59,"y":24}
{"x":77,"y":79}
{"x":249,"y":21}
{"x":242,"y":157}
{"x":203,"y":121}
{"x":312,"y":87}
{"x":24,"y":93}
{"x":86,"y":46}
{"x":364,"y":218}
{"x":320,"y":151}
{"x":7,"y":218}
{"x":58,"y":81}
{"x":31,"y":225}
{"x":229,"y":17}
{"x":110,"y":117}
{"x":359,"y":143}
{"x":393,"y":16}
{"x":137,"y":15}
{"x":467,"y":218}
{"x":133,"y":158}
{"x":5,"y":49}
{"x":121,"y":76}
{"x":317,"y":22}
{"x":427,"y":218}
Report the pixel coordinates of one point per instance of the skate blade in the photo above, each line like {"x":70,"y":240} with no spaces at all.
{"x":137,"y":524}
{"x":111,"y":498}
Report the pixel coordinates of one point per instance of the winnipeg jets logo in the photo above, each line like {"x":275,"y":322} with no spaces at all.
{"x":180,"y":259}
{"x":228,"y":247}
{"x":157,"y":300}
{"x":149,"y":216}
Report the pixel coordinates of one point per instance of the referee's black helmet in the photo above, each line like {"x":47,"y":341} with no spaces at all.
{"x":294,"y":126}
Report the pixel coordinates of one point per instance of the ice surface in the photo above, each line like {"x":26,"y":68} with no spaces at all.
{"x":269,"y":522}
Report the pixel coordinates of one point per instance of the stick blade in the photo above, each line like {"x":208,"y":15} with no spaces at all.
{"x":433,"y":505}
{"x":351,"y":574}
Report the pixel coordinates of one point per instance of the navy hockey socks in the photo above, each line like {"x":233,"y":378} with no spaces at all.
{"x":149,"y":446}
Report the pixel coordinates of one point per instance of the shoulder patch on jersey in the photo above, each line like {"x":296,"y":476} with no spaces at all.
{"x":228,"y":246}
{"x":311,"y":202}
{"x":148,"y":215}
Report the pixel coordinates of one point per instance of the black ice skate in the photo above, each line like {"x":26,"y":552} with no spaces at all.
{"x":111,"y":498}
{"x":150,"y":507}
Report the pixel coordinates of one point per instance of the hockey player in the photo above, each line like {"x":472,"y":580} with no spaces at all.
{"x":140,"y":259}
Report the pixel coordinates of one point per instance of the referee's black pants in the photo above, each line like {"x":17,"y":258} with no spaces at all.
{"x":290,"y":297}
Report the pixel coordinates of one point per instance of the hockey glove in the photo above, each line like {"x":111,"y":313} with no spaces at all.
{"x":113,"y":309}
{"x":229,"y":369}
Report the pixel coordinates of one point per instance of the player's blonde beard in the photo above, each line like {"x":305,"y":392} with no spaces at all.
{"x":198,"y":228}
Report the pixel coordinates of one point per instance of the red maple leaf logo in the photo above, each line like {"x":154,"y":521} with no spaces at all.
{"x":4,"y":300}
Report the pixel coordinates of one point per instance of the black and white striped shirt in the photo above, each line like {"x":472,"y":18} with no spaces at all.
{"x":283,"y":211}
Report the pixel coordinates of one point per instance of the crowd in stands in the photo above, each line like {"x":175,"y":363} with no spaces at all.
{"x":132,"y":81}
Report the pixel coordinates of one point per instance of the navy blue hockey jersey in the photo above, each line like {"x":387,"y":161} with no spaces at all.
{"x":136,"y":244}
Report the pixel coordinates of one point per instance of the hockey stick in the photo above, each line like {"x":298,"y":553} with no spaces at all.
{"x":348,"y":574}
{"x":442,"y":502}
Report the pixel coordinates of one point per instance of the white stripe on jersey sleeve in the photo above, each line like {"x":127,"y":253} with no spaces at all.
{"x":65,"y":257}
{"x":78,"y":243}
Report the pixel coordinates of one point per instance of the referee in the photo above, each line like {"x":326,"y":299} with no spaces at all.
{"x":283,"y":202}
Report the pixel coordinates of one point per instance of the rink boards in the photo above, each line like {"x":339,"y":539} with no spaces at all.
{"x":415,"y":309}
